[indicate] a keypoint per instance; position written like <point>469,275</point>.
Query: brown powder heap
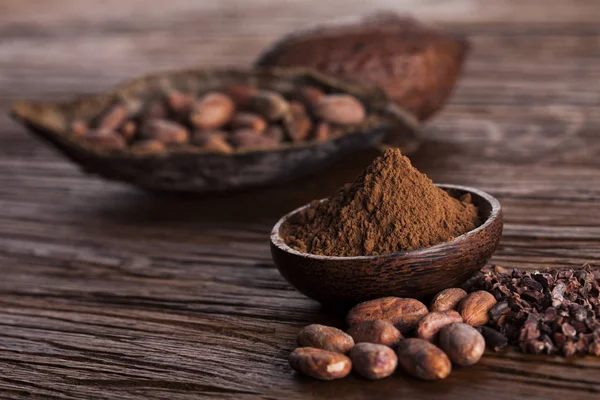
<point>389,208</point>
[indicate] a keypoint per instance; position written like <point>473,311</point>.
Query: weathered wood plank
<point>107,292</point>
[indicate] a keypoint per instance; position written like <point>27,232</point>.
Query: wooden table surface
<point>108,292</point>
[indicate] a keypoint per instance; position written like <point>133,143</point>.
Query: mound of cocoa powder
<point>391,207</point>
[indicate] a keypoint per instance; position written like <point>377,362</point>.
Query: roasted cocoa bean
<point>326,338</point>
<point>340,109</point>
<point>320,364</point>
<point>422,359</point>
<point>448,299</point>
<point>462,343</point>
<point>404,313</point>
<point>373,361</point>
<point>212,111</point>
<point>375,331</point>
<point>475,307</point>
<point>430,325</point>
<point>167,132</point>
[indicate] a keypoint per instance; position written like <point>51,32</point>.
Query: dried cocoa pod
<point>375,331</point>
<point>321,132</point>
<point>79,128</point>
<point>212,111</point>
<point>104,139</point>
<point>179,103</point>
<point>128,130</point>
<point>326,338</point>
<point>403,313</point>
<point>215,141</point>
<point>148,146</point>
<point>447,299</point>
<point>462,343</point>
<point>167,132</point>
<point>373,361</point>
<point>475,307</point>
<point>271,105</point>
<point>340,109</point>
<point>423,360</point>
<point>113,118</point>
<point>241,94</point>
<point>320,364</point>
<point>248,120</point>
<point>418,66</point>
<point>430,325</point>
<point>248,138</point>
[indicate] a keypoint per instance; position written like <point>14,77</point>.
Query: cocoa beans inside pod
<point>417,65</point>
<point>157,108</point>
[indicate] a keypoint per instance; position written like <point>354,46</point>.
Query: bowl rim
<point>496,208</point>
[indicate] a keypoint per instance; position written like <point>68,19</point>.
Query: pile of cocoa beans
<point>237,117</point>
<point>391,331</point>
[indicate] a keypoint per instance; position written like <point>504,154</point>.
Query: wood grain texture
<point>107,292</point>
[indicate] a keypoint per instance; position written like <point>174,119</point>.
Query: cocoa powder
<point>391,207</point>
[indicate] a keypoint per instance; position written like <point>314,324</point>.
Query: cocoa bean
<point>341,109</point>
<point>462,343</point>
<point>321,132</point>
<point>447,299</point>
<point>320,364</point>
<point>248,120</point>
<point>403,313</point>
<point>373,361</point>
<point>422,359</point>
<point>128,130</point>
<point>475,307</point>
<point>212,111</point>
<point>375,331</point>
<point>326,338</point>
<point>270,105</point>
<point>113,118</point>
<point>241,94</point>
<point>179,103</point>
<point>430,325</point>
<point>248,138</point>
<point>167,132</point>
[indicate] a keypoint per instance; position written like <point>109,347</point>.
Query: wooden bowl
<point>341,281</point>
<point>187,168</point>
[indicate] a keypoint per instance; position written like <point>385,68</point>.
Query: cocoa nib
<point>553,311</point>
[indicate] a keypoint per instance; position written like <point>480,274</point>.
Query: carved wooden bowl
<point>341,281</point>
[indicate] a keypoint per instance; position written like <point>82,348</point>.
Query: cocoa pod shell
<point>417,65</point>
<point>188,168</point>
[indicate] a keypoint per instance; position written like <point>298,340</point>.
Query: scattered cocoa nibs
<point>387,209</point>
<point>553,311</point>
